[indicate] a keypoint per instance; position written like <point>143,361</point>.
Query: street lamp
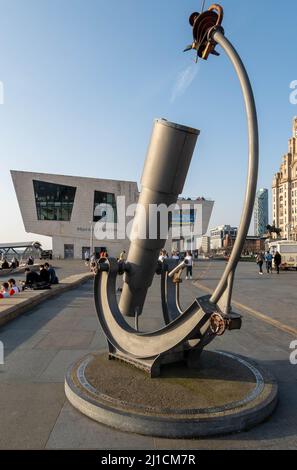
<point>91,238</point>
<point>192,237</point>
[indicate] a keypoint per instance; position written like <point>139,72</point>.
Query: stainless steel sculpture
<point>165,171</point>
<point>185,333</point>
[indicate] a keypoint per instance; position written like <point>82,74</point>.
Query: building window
<point>53,201</point>
<point>103,203</point>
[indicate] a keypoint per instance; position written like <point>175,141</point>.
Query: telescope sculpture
<point>185,333</point>
<point>192,394</point>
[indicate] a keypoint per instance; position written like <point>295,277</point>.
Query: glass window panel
<point>104,198</point>
<point>50,200</point>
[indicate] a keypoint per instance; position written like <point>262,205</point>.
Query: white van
<point>287,250</point>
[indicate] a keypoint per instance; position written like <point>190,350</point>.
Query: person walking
<point>122,257</point>
<point>162,256</point>
<point>189,261</point>
<point>93,262</point>
<point>175,256</point>
<point>277,261</point>
<point>268,259</point>
<point>87,256</point>
<point>260,261</point>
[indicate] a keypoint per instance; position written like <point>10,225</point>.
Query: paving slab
<point>25,365</point>
<point>21,338</point>
<point>68,339</point>
<point>73,431</point>
<point>99,341</point>
<point>57,368</point>
<point>29,415</point>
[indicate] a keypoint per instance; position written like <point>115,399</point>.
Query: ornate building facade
<point>284,191</point>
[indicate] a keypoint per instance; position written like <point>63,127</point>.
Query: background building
<point>205,246</point>
<point>218,235</point>
<point>67,208</point>
<point>194,221</point>
<point>284,191</point>
<point>252,245</point>
<point>261,212</point>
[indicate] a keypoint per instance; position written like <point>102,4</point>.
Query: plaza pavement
<point>40,346</point>
<point>17,305</point>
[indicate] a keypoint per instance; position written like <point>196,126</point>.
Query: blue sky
<point>84,79</point>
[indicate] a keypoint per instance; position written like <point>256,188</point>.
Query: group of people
<point>12,265</point>
<point>8,289</point>
<point>176,256</point>
<point>268,258</point>
<point>95,259</point>
<point>47,276</point>
<point>91,260</point>
<point>42,279</point>
<point>188,258</point>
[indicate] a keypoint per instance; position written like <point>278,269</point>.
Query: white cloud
<point>183,81</point>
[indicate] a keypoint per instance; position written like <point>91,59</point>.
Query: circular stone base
<point>225,394</point>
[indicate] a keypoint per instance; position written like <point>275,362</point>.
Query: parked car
<point>46,254</point>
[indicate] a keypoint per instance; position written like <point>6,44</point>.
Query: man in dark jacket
<point>52,274</point>
<point>277,261</point>
<point>32,277</point>
<point>44,275</point>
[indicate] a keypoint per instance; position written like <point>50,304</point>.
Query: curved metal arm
<point>251,112</point>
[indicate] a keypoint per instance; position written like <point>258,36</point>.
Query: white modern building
<point>67,208</point>
<point>64,208</point>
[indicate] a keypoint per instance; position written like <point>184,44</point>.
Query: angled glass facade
<point>261,212</point>
<point>53,201</point>
<point>103,203</point>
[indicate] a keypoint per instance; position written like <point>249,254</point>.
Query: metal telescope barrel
<point>167,163</point>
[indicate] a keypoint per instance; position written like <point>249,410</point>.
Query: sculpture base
<point>225,394</point>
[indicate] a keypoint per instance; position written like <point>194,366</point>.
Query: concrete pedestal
<point>224,394</point>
